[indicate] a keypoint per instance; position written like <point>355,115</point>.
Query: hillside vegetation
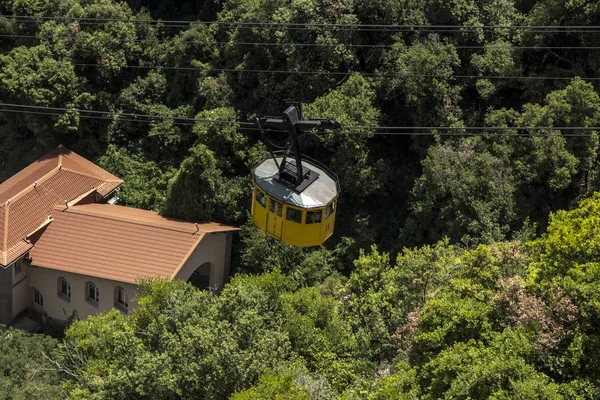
<point>465,263</point>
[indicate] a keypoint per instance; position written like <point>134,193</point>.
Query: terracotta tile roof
<point>28,198</point>
<point>117,243</point>
<point>149,218</point>
<point>74,162</point>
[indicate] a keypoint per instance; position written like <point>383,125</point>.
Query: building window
<point>92,293</point>
<point>313,217</point>
<point>121,298</point>
<point>38,298</point>
<point>261,198</point>
<point>291,214</point>
<point>64,289</point>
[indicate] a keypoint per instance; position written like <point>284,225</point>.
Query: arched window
<point>92,293</point>
<point>121,298</point>
<point>64,289</point>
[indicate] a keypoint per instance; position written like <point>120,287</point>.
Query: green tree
<point>500,370</point>
<point>145,183</point>
<point>269,89</point>
<point>422,81</point>
<point>31,75</point>
<point>161,138</point>
<point>179,343</point>
<point>224,139</point>
<point>320,336</point>
<point>469,191</point>
<point>274,387</point>
<point>198,188</point>
<point>565,259</point>
<point>350,105</point>
<point>27,371</point>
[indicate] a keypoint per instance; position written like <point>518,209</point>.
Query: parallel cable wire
<point>23,18</point>
<point>463,134</point>
<point>107,118</point>
<point>116,113</point>
<point>376,129</point>
<point>523,128</point>
<point>440,28</point>
<point>83,116</point>
<point>341,73</point>
<point>397,75</point>
<point>107,114</point>
<point>407,29</point>
<point>368,46</point>
<point>459,30</point>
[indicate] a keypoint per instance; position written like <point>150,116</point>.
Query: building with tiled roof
<point>27,198</point>
<point>68,252</point>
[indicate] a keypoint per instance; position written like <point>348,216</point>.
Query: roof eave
<point>8,264</point>
<point>188,255</point>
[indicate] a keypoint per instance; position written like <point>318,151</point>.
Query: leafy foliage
<point>426,290</point>
<point>27,371</point>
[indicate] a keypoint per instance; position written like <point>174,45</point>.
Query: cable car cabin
<point>294,197</point>
<point>298,214</point>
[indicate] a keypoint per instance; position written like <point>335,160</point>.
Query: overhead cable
<point>117,113</point>
<point>107,118</point>
<point>376,130</point>
<point>299,24</point>
<point>522,128</point>
<point>368,46</point>
<point>339,73</point>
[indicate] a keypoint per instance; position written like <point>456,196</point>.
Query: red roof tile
<point>25,178</point>
<point>28,198</point>
<point>117,243</point>
<point>149,218</point>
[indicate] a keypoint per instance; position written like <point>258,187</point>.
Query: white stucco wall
<point>46,281</point>
<point>212,249</point>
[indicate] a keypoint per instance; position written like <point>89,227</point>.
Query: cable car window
<point>330,209</point>
<point>261,198</point>
<point>293,215</point>
<point>313,217</point>
<point>275,207</point>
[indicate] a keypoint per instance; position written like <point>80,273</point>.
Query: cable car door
<point>274,219</point>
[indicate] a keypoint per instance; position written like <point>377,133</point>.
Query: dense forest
<point>466,258</point>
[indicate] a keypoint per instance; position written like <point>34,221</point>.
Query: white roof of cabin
<point>318,194</point>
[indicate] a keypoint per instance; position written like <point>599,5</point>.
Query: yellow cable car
<point>294,198</point>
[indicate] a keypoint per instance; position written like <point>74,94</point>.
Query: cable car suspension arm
<point>293,123</point>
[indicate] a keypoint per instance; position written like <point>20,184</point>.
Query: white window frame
<point>64,294</point>
<point>124,304</point>
<point>88,289</point>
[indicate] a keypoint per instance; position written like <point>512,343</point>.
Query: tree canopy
<point>465,258</point>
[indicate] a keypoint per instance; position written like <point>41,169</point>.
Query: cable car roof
<point>318,194</point>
